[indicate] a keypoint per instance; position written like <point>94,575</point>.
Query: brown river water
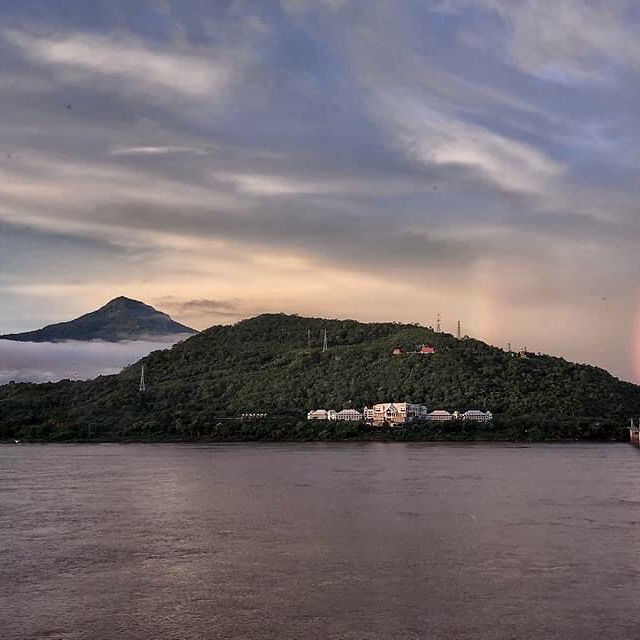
<point>314,541</point>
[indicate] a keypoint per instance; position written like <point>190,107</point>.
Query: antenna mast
<point>325,346</point>
<point>143,386</point>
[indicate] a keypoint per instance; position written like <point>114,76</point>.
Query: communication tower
<point>143,386</point>
<point>459,331</point>
<point>325,346</point>
<point>438,324</point>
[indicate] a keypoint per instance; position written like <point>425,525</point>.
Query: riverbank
<point>286,429</point>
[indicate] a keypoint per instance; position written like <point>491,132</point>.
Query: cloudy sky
<point>375,159</point>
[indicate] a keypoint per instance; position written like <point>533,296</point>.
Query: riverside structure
<point>398,413</point>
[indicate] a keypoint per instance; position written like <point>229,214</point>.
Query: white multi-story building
<point>330,414</point>
<point>348,414</point>
<point>321,414</point>
<point>394,412</point>
<point>440,416</point>
<point>477,416</point>
<point>445,416</point>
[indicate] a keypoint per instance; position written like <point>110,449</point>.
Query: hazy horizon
<point>338,158</point>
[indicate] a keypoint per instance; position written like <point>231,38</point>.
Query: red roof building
<point>426,349</point>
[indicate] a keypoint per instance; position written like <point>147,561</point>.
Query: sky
<point>372,159</point>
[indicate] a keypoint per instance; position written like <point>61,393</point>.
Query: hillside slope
<point>120,319</point>
<point>265,364</point>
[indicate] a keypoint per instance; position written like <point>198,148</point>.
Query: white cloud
<point>434,138</point>
<point>287,185</point>
<point>53,187</point>
<point>262,184</point>
<point>157,151</point>
<point>568,41</point>
<point>129,60</point>
<point>270,185</point>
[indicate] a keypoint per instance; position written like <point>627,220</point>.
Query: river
<point>314,541</point>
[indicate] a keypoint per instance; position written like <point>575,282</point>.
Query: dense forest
<point>198,388</point>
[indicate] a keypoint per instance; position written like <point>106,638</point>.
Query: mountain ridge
<point>119,319</point>
<point>200,387</point>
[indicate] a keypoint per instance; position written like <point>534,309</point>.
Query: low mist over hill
<point>73,359</point>
<point>266,364</point>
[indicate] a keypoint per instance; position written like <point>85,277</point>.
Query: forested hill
<point>266,365</point>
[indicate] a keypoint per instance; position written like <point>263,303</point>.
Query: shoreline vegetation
<point>276,364</point>
<point>292,430</point>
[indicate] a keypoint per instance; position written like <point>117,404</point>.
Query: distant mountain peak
<point>119,319</point>
<point>120,300</point>
<point>123,301</point>
<point>122,304</point>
